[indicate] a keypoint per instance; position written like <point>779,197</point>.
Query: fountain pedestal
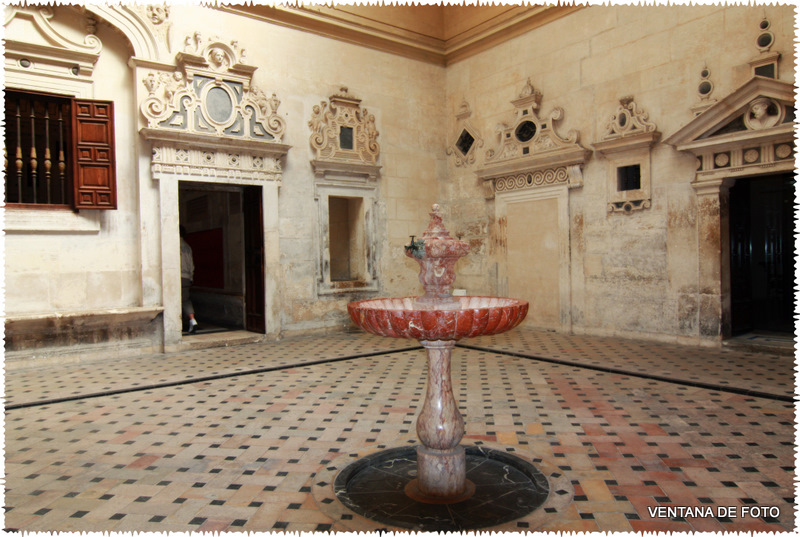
<point>438,320</point>
<point>441,461</point>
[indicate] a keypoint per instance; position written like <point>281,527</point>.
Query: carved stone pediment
<point>207,118</point>
<point>628,129</point>
<point>530,153</point>
<point>750,131</point>
<point>344,137</point>
<point>626,144</point>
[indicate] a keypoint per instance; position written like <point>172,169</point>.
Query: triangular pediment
<point>760,109</point>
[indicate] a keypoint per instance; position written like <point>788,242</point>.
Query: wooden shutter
<point>94,177</point>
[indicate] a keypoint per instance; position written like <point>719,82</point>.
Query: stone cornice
<point>337,24</point>
<point>212,142</point>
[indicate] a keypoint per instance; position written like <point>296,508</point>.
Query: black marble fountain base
<point>506,488</point>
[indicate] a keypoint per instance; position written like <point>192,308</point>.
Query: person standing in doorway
<point>187,275</point>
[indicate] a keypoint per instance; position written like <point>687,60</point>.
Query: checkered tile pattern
<point>244,438</point>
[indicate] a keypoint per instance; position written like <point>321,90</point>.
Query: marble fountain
<point>440,485</point>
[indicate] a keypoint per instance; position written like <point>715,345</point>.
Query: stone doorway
<point>762,254</point>
<point>224,229</point>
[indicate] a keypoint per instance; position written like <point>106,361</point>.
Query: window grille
<point>59,151</point>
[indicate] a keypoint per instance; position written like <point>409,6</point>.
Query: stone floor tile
<point>235,439</point>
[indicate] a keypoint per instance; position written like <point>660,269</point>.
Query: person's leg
<point>188,308</point>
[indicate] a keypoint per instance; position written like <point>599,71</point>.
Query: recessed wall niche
<point>626,146</point>
<point>344,139</point>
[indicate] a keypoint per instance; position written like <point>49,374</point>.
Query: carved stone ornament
<point>466,140</point>
<point>747,133</point>
<point>158,17</point>
<point>530,153</point>
<point>628,121</point>
<point>344,137</point>
<point>208,118</point>
<point>627,142</point>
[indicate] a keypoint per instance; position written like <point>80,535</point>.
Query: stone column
<point>441,462</point>
<point>170,263</point>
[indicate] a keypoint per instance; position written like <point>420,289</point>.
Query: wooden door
<point>762,254</point>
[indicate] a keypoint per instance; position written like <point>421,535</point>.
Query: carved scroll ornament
<point>206,118</point>
<point>530,153</point>
<point>342,130</point>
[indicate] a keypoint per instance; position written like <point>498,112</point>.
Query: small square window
<point>345,137</point>
<point>629,178</point>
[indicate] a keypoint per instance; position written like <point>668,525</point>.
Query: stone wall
<point>617,273</point>
<point>631,273</point>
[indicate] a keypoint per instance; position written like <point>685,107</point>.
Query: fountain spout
<point>437,253</point>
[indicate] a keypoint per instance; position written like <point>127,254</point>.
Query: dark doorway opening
<point>762,254</point>
<point>224,227</point>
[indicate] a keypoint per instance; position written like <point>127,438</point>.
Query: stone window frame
<point>345,172</point>
<point>628,141</point>
<point>368,194</point>
<point>464,126</point>
<point>63,67</point>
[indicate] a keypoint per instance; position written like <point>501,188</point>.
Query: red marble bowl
<point>405,317</point>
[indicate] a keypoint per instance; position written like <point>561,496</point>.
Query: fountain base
<point>414,492</point>
<point>381,487</point>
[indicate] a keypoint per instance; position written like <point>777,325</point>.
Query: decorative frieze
<point>561,175</point>
<point>530,153</point>
<point>344,137</point>
<point>213,164</point>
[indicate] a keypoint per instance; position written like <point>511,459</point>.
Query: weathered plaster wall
<point>635,273</point>
<point>49,269</point>
<point>404,95</point>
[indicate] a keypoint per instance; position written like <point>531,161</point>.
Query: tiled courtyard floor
<point>248,438</point>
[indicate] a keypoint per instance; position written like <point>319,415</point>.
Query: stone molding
<point>206,118</point>
<point>627,142</point>
<point>62,66</point>
<point>531,149</point>
<point>345,24</point>
<point>338,153</point>
<point>747,133</point>
<point>466,140</point>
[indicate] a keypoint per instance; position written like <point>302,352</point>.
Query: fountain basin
<point>462,317</point>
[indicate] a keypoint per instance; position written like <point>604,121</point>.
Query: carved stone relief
<point>704,90</point>
<point>626,144</point>
<point>750,132</point>
<point>207,118</point>
<point>530,153</point>
<point>344,137</point>
<point>157,15</point>
<point>466,140</point>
